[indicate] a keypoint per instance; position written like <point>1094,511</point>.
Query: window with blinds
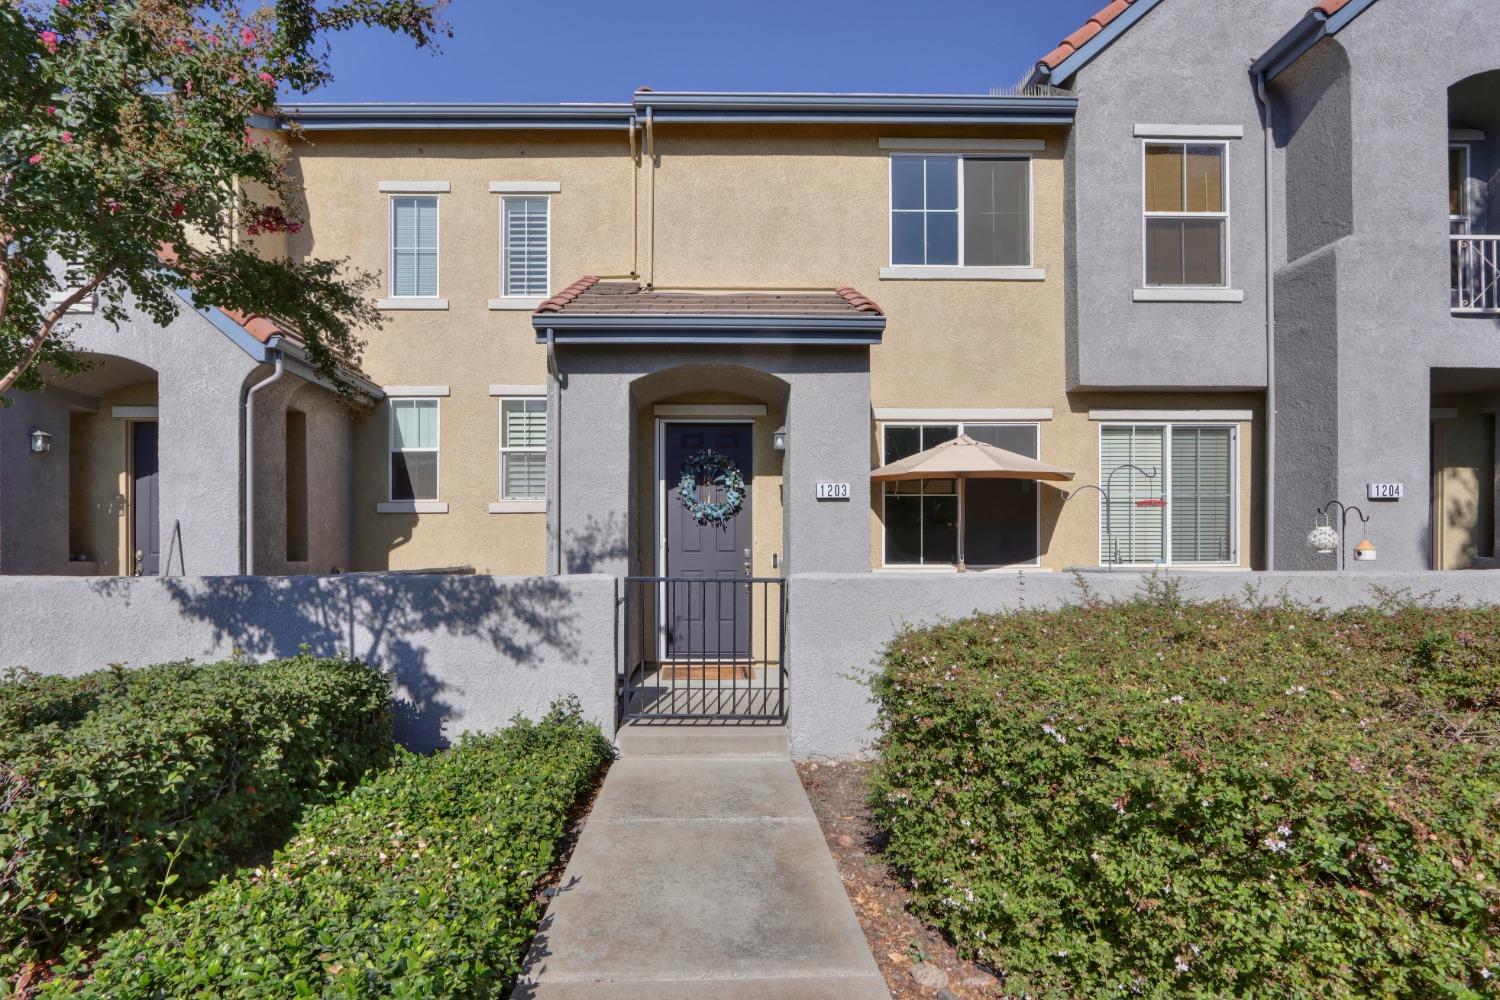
<point>1187,214</point>
<point>524,266</point>
<point>523,449</point>
<point>414,449</point>
<point>414,247</point>
<point>1188,513</point>
<point>968,211</point>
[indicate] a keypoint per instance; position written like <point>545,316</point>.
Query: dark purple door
<point>707,610</point>
<point>145,499</point>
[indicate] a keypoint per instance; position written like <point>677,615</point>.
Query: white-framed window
<point>1186,214</point>
<point>960,210</point>
<point>1458,189</point>
<point>999,519</point>
<point>526,245</point>
<point>414,246</point>
<point>74,275</point>
<point>1188,512</point>
<point>414,449</point>
<point>523,448</point>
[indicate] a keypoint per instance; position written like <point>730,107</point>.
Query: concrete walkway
<point>701,872</point>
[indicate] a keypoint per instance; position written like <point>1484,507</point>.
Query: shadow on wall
<point>394,623</point>
<point>602,546</point>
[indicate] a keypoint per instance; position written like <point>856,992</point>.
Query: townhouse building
<point>672,337</point>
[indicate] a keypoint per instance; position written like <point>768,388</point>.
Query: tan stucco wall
<point>760,207</point>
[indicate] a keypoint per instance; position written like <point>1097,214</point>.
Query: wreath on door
<point>716,470</point>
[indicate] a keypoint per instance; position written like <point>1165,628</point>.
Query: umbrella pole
<point>963,495</point>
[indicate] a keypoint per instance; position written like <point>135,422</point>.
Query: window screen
<point>997,212</point>
<point>414,247</point>
<point>1200,505</point>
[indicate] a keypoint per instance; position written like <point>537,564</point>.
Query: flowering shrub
<point>420,883</point>
<point>1162,799</point>
<point>123,786</point>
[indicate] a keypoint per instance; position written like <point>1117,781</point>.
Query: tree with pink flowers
<point>133,147</point>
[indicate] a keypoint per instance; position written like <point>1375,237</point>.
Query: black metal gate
<point>702,650</point>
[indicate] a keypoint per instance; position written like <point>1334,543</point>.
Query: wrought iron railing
<point>704,650</point>
<point>1475,274</point>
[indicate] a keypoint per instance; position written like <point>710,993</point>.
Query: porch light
<point>41,441</point>
<point>778,438</point>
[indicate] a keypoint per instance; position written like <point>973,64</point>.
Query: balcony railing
<point>1475,273</point>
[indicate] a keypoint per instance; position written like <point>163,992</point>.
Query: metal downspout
<point>635,203</point>
<point>249,560</point>
<point>1265,102</point>
<point>556,478</point>
<point>651,162</point>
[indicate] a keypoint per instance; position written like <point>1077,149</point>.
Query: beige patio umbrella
<point>963,458</point>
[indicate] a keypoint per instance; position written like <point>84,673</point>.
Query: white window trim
<point>1463,187</point>
<point>880,426</point>
<point>393,506</point>
<point>1190,131</point>
<point>1198,417</point>
<point>522,301</point>
<point>518,390</point>
<point>963,145</point>
<point>1147,291</point>
<point>403,391</point>
<point>1165,478</point>
<point>1186,293</point>
<point>939,415</point>
<point>520,504</point>
<point>525,187</point>
<point>415,187</point>
<point>394,301</point>
<point>955,272</point>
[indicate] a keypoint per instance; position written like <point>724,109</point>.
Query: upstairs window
<point>960,211</point>
<point>1458,189</point>
<point>523,449</point>
<point>414,247</point>
<point>1186,214</point>
<point>526,237</point>
<point>414,449</point>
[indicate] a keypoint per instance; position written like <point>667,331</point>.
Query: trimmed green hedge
<point>121,787</point>
<point>420,883</point>
<point>1161,799</point>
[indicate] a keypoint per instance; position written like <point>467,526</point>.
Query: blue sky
<point>601,50</point>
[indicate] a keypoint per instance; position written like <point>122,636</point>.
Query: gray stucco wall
<point>466,652</point>
<point>330,477</point>
<point>1183,63</point>
<point>838,625</point>
<point>594,436</point>
<point>199,377</point>
<point>1390,313</point>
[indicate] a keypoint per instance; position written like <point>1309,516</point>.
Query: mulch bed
<point>899,941</point>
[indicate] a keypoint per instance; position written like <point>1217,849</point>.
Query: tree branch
<point>49,321</point>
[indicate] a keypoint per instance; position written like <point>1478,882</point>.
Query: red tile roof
<point>1090,28</point>
<point>590,295</point>
<point>1101,20</point>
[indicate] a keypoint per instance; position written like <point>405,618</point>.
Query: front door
<point>706,609</point>
<point>145,500</point>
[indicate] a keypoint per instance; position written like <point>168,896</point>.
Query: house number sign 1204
<point>833,491</point>
<point>1385,491</point>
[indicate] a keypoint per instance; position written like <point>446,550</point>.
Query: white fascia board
<point>415,187</point>
<point>1190,131</point>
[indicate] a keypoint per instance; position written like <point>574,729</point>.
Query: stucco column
<point>588,513</point>
<point>828,441</point>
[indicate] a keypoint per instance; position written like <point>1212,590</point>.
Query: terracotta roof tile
<point>1087,31</point>
<point>590,295</point>
<point>1331,7</point>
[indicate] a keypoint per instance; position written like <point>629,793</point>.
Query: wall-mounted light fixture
<point>41,441</point>
<point>778,438</point>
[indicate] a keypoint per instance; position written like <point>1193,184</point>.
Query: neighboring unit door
<point>145,499</point>
<point>705,620</point>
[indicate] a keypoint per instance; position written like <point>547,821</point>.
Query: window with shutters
<point>1186,214</point>
<point>414,449</point>
<point>960,211</point>
<point>999,519</point>
<point>524,267</point>
<point>1186,513</point>
<point>414,247</point>
<point>523,449</point>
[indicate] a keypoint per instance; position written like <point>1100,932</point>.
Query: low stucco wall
<point>466,652</point>
<point>838,624</point>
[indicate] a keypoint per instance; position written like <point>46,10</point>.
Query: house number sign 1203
<point>833,491</point>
